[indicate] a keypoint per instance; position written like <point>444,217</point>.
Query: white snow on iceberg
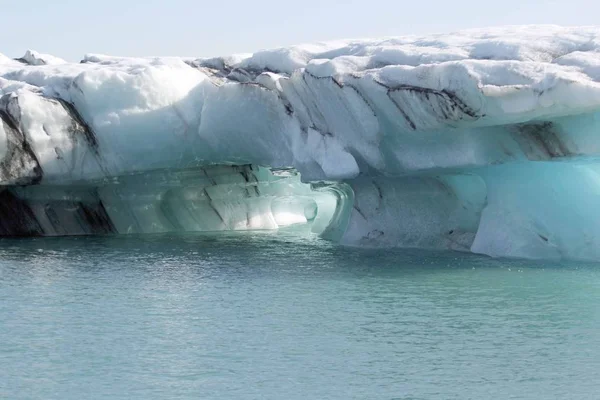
<point>482,140</point>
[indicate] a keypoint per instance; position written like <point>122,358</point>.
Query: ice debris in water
<point>481,140</point>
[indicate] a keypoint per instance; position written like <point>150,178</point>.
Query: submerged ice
<point>483,141</point>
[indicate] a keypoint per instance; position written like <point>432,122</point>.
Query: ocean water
<point>264,316</point>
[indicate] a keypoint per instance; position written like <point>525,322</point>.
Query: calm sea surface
<point>263,316</point>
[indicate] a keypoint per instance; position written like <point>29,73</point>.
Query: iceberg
<point>482,141</point>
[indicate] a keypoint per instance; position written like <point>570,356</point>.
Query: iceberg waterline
<point>483,141</point>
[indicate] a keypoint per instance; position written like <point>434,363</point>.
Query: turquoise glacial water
<point>263,316</point>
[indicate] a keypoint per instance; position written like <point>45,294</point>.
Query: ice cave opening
<point>202,199</point>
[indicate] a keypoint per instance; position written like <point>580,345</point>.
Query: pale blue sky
<point>71,28</point>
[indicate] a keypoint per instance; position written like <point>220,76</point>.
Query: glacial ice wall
<point>483,141</point>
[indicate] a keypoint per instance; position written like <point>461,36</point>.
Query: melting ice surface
<point>482,141</point>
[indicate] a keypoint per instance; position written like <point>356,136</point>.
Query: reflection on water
<point>261,315</point>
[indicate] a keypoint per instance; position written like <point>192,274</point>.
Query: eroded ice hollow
<point>483,141</point>
<point>206,199</point>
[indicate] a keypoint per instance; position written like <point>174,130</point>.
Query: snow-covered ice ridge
<point>483,140</point>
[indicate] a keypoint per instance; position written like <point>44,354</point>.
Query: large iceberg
<point>483,141</point>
